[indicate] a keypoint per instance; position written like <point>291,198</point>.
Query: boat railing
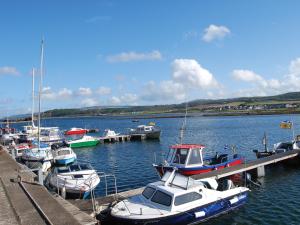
<point>93,197</point>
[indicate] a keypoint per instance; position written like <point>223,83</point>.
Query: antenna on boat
<point>264,141</point>
<point>293,130</point>
<point>40,90</point>
<point>183,124</point>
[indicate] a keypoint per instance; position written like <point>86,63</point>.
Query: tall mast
<point>40,90</point>
<point>32,109</point>
<point>183,125</point>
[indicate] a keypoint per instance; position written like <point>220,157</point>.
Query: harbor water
<point>275,202</point>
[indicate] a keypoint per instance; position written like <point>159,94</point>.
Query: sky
<point>117,53</point>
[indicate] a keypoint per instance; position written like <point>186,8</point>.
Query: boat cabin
<point>73,169</point>
<point>144,128</point>
<point>185,155</point>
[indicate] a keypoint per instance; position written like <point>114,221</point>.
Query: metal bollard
<point>41,176</point>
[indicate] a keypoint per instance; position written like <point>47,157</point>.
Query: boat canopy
<point>186,155</point>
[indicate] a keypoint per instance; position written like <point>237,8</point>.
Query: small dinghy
<point>178,200</point>
<point>189,160</point>
<point>77,180</point>
<point>63,154</point>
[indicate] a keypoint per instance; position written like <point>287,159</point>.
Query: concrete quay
<point>23,201</point>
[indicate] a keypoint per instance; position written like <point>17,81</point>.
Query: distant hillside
<point>173,108</point>
<point>291,96</point>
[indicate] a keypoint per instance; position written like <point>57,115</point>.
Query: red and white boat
<point>189,160</point>
<point>76,131</point>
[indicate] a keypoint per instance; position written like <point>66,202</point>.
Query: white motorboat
<point>51,135</point>
<point>177,199</point>
<point>63,155</point>
<point>38,153</point>
<point>151,131</point>
<point>78,180</point>
<point>110,133</point>
<point>19,149</point>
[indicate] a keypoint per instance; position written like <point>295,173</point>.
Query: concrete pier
<point>23,201</point>
<point>117,138</point>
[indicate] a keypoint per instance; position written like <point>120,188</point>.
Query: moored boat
<point>76,131</point>
<point>286,124</point>
<point>189,160</point>
<point>85,141</point>
<point>151,131</point>
<point>109,134</point>
<point>63,155</point>
<point>78,180</point>
<point>178,200</point>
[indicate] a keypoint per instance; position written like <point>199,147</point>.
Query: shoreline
<point>166,115</point>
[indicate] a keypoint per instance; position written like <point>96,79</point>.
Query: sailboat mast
<point>40,90</point>
<point>32,109</point>
<point>183,125</point>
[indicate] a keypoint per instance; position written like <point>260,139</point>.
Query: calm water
<point>276,202</point>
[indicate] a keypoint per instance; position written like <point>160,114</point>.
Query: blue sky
<point>147,52</point>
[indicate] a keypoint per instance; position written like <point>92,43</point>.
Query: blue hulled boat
<point>179,200</point>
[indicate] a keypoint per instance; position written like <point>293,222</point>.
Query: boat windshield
<point>74,168</point>
<point>148,192</point>
<point>161,198</point>
<point>195,157</point>
<point>63,152</point>
<point>63,169</point>
<point>180,156</point>
<point>86,167</point>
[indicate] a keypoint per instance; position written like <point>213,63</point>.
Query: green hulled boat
<point>85,141</point>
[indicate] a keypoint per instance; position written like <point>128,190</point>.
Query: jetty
<point>25,201</point>
<point>254,167</point>
<point>112,139</point>
<point>122,138</point>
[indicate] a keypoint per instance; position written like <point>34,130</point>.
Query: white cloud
<point>250,76</point>
<point>48,94</point>
<point>129,98</point>
<point>62,94</point>
<point>294,67</point>
<point>214,32</point>
<point>8,70</point>
<point>65,93</point>
<point>115,100</point>
<point>190,73</point>
<point>84,91</point>
<point>126,99</point>
<point>134,56</point>
<point>88,102</point>
<point>103,91</point>
<point>165,91</point>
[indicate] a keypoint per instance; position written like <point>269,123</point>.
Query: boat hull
<point>192,216</point>
<point>75,132</point>
<point>64,161</point>
<point>84,144</point>
<point>189,171</point>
